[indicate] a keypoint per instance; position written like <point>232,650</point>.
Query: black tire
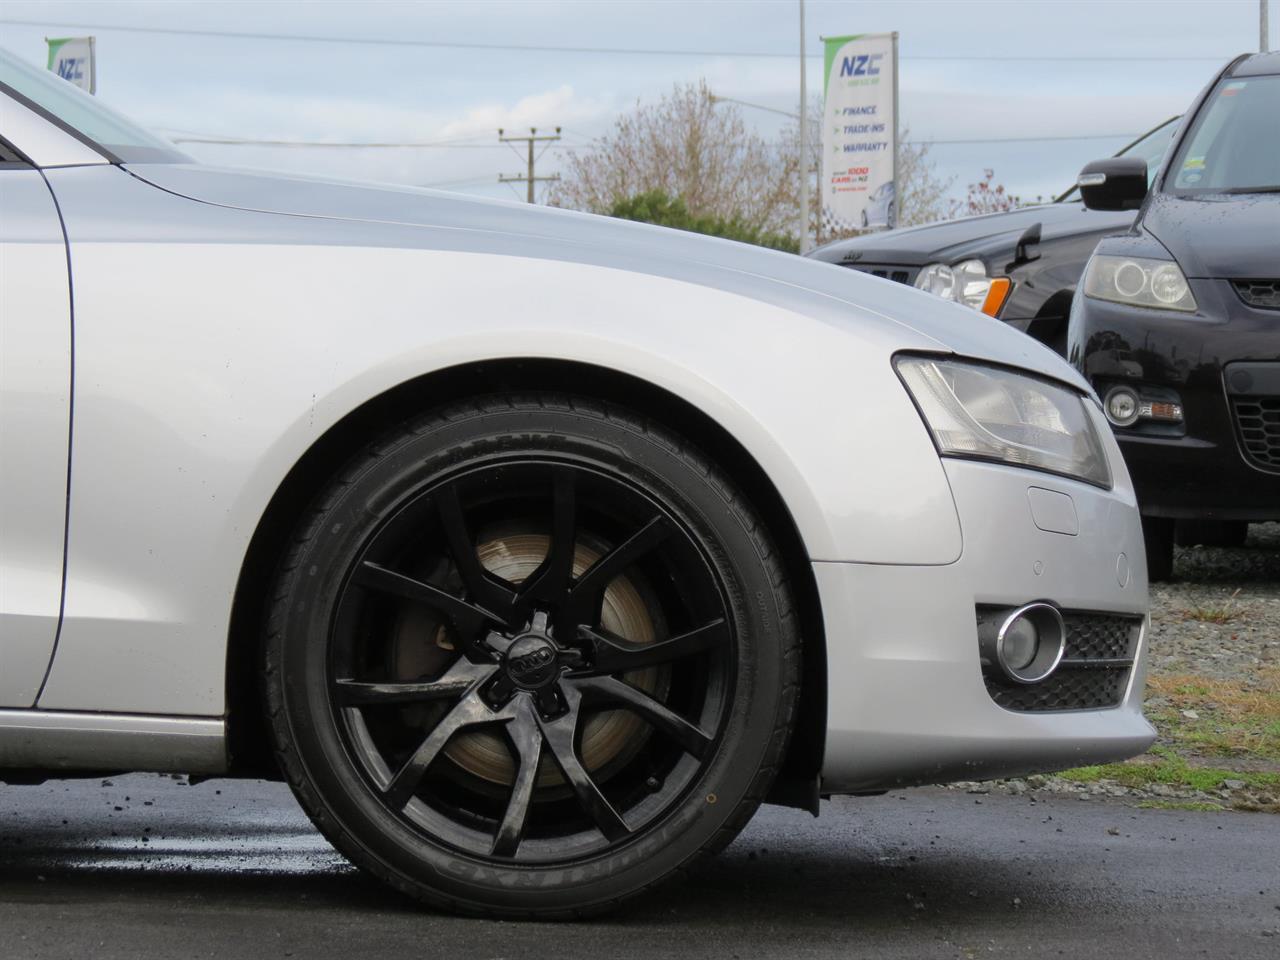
<point>550,848</point>
<point>1157,533</point>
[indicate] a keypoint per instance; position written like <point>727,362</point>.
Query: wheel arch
<point>248,740</point>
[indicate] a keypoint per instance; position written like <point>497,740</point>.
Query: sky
<point>989,70</point>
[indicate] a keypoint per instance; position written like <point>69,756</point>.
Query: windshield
<point>1234,144</point>
<point>72,108</point>
<point>1150,148</point>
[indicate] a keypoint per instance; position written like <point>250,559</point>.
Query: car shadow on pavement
<point>286,866</point>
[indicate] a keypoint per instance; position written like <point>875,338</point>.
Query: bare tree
<point>987,196</point>
<point>688,146</point>
<point>924,193</point>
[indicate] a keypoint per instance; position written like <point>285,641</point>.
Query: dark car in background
<point>1178,327</point>
<point>1021,266</point>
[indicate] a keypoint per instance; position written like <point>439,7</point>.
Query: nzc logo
<point>72,68</point>
<point>861,65</point>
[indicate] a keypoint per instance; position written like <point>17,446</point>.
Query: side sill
<point>59,740</point>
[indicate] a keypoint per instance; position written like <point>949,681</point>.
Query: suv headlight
<point>1138,282</point>
<point>990,413</point>
<point>965,283</point>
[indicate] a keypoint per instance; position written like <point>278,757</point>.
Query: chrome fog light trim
<point>1027,644</point>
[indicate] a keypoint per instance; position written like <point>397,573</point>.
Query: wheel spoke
<point>587,594</point>
<point>550,581</point>
<point>481,585</point>
<point>527,740</point>
<point>471,711</point>
<point>691,738</point>
<point>468,619</point>
<point>614,654</point>
<point>453,684</point>
<point>559,735</point>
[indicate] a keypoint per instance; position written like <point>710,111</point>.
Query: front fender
<point>205,369</point>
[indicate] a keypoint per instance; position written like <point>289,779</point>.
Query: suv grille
<point>1258,421</point>
<point>1094,672</point>
<point>887,271</point>
<point>1259,293</point>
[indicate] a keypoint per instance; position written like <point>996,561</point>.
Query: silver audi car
<point>533,549</point>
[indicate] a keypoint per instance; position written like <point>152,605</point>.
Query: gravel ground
<point>1246,582</point>
<point>1241,588</point>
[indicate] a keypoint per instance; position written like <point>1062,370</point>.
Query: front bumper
<point>907,702</point>
<point>1197,469</point>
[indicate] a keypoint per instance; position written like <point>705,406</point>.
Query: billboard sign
<point>71,58</point>
<point>860,133</point>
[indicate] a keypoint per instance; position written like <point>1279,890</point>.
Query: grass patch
<point>1233,718</point>
<point>1223,614</point>
<point>1172,771</point>
<point>1198,805</point>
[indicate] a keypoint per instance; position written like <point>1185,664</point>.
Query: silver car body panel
<point>56,740</point>
<point>35,413</point>
<point>226,320</point>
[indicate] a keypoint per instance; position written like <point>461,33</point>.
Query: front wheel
<point>530,658</point>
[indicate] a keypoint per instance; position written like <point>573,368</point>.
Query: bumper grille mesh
<point>1094,672</point>
<point>1258,421</point>
<point>887,271</point>
<point>1259,293</point>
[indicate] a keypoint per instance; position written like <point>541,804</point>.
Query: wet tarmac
<point>147,866</point>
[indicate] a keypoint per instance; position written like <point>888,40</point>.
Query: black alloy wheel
<point>511,669</point>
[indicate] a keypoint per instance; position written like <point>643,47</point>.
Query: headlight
<point>1139,282</point>
<point>990,413</point>
<point>965,283</point>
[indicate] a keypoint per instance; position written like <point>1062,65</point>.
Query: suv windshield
<point>83,115</point>
<point>1234,144</point>
<point>1151,147</point>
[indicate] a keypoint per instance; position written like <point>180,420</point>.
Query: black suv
<point>1178,327</point>
<point>1021,266</point>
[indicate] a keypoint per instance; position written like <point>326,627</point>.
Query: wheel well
<point>1050,321</point>
<point>249,743</point>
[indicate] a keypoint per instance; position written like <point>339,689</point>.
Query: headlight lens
<point>989,413</point>
<point>965,283</point>
<point>1139,282</point>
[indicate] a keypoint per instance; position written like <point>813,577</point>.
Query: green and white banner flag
<point>71,58</point>
<point>860,133</point>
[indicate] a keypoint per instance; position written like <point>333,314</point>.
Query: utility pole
<point>529,177</point>
<point>804,146</point>
<point>1262,26</point>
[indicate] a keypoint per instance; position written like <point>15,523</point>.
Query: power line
<point>1083,136</point>
<point>616,51</point>
<point>249,142</point>
<point>245,142</point>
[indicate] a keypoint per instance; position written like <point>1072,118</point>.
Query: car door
<point>35,417</point>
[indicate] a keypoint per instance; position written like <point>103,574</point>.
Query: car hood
<point>950,240</point>
<point>1220,236</point>
<point>792,282</point>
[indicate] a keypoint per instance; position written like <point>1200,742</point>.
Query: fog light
<point>1122,406</point>
<point>1026,644</point>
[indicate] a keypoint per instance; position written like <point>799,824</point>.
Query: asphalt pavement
<point>148,866</point>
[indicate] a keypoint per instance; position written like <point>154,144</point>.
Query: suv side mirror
<point>1117,183</point>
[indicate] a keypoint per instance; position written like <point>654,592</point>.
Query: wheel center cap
<point>530,661</point>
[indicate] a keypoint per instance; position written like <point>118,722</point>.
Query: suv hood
<point>951,240</point>
<point>795,283</point>
<point>1219,237</point>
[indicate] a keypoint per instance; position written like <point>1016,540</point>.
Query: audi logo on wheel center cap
<point>531,661</point>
